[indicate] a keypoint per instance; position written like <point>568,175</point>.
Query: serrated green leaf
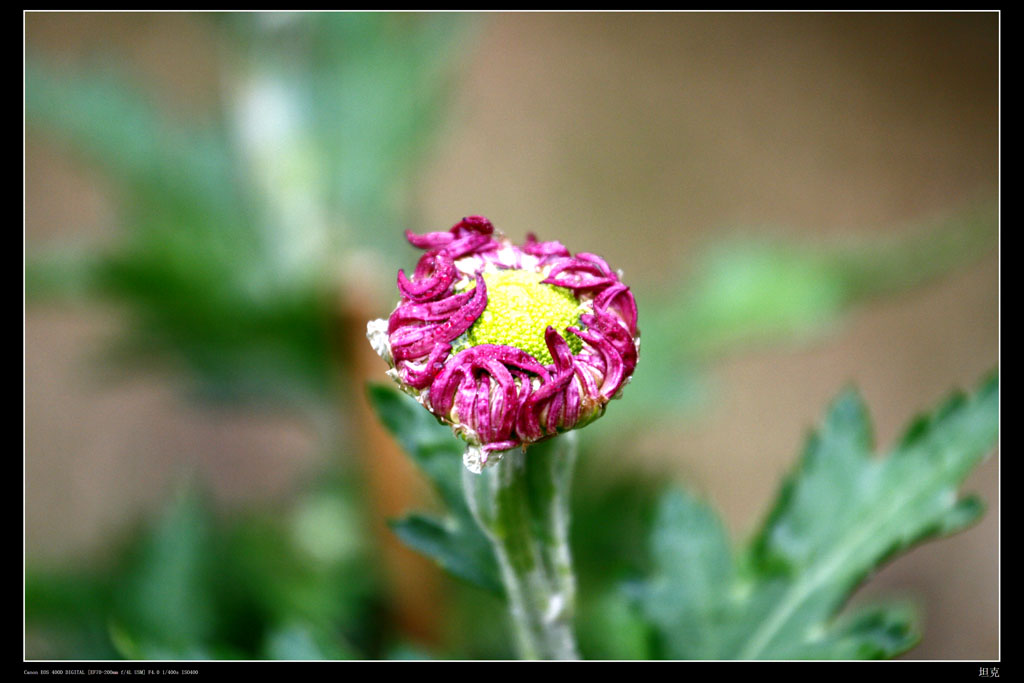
<point>452,545</point>
<point>430,444</point>
<point>840,515</point>
<point>876,632</point>
<point>686,595</point>
<point>456,543</point>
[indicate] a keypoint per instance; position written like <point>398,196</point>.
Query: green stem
<point>521,504</point>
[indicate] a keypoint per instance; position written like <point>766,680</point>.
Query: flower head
<point>508,344</point>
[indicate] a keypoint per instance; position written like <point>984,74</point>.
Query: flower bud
<point>508,344</point>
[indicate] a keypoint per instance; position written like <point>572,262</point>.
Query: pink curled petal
<point>554,413</point>
<point>482,423</point>
<point>546,250</point>
<point>479,224</point>
<point>577,280</point>
<point>445,384</point>
<point>470,244</point>
<point>416,342</point>
<point>465,399</point>
<point>466,362</point>
<point>472,309</point>
<point>558,348</point>
<point>618,300</point>
<point>527,425</point>
<point>596,260</point>
<point>426,265</point>
<point>614,333</point>
<point>575,274</point>
<point>575,264</point>
<point>501,445</point>
<point>403,339</point>
<point>433,311</point>
<point>524,387</point>
<point>510,355</point>
<point>449,329</point>
<point>585,377</point>
<point>595,360</point>
<point>572,405</point>
<point>505,405</point>
<point>614,367</point>
<point>441,271</point>
<point>548,395</point>
<point>420,378</point>
<point>430,240</point>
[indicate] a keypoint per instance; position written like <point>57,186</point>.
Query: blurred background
<point>213,209</point>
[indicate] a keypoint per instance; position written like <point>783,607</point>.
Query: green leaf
<point>460,550</point>
<point>684,597</point>
<point>754,291</point>
<point>455,543</point>
<point>430,444</point>
<point>165,594</point>
<point>203,277</point>
<point>839,516</point>
<point>186,172</point>
<point>301,641</point>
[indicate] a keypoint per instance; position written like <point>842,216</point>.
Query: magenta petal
<point>586,380</point>
<point>478,224</point>
<point>596,260</point>
<point>558,348</point>
<point>433,311</point>
<point>501,445</point>
<point>614,367</point>
<point>447,331</point>
<point>547,396</point>
<point>482,411</point>
<point>572,405</point>
<point>544,249</point>
<point>614,333</point>
<point>418,379</point>
<point>470,244</point>
<point>554,413</point>
<point>467,361</point>
<point>441,271</point>
<point>465,399</point>
<point>407,336</point>
<point>509,355</point>
<point>504,406</point>
<point>431,240</point>
<point>619,300</point>
<point>575,274</point>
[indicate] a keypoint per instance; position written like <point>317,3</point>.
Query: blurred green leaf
<point>455,542</point>
<point>164,596</point>
<point>753,291</point>
<point>301,642</point>
<point>446,542</point>
<point>192,586</point>
<point>230,257</point>
<point>201,279</point>
<point>365,96</point>
<point>839,516</point>
<point>378,100</point>
<point>756,290</point>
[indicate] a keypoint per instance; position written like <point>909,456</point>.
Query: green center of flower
<point>519,310</point>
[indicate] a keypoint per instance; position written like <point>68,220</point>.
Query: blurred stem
<point>521,504</point>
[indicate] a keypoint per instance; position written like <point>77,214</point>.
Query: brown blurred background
<point>640,137</point>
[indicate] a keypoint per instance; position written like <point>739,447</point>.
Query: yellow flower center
<point>519,310</point>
